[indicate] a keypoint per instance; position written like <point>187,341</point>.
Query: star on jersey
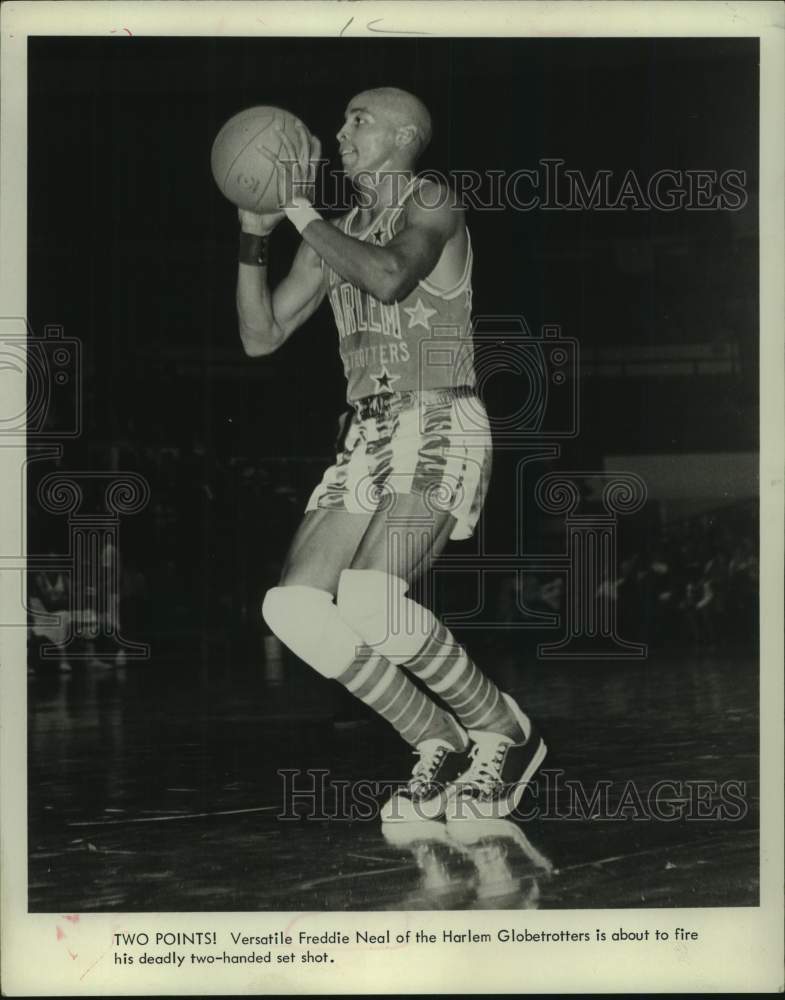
<point>384,380</point>
<point>377,235</point>
<point>419,314</point>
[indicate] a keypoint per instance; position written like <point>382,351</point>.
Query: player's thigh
<point>323,546</point>
<point>405,539</point>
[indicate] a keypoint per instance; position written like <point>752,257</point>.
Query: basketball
<point>241,171</point>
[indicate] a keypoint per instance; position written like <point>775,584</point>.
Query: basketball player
<point>413,468</point>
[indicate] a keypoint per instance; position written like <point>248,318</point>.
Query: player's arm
<point>390,272</point>
<point>266,319</point>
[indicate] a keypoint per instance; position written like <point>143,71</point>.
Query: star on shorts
<point>384,380</point>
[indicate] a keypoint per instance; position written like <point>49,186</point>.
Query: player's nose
<point>341,133</point>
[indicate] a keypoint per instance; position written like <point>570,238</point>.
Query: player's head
<point>384,129</point>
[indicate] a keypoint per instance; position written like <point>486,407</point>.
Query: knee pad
<point>306,620</point>
<point>375,605</point>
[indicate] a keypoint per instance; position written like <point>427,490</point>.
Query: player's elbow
<point>385,294</point>
<point>255,343</point>
<point>256,350</point>
<point>393,284</point>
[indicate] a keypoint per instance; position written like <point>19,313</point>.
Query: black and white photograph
<point>390,483</point>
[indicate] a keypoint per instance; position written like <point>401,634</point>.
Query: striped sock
<point>387,690</point>
<point>445,667</point>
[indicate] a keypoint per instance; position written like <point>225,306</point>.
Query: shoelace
<point>485,771</point>
<point>425,768</point>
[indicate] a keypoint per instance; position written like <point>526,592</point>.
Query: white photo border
<point>740,948</point>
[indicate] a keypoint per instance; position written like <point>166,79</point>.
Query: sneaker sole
<point>426,812</point>
<point>423,832</point>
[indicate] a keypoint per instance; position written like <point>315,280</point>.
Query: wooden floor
<point>159,788</point>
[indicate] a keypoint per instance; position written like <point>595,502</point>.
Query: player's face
<point>366,140</point>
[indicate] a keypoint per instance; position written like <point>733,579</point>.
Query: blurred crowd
<point>696,583</point>
<point>214,536</point>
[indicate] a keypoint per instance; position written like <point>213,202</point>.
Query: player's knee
<point>375,605</point>
<point>287,610</point>
<point>368,595</point>
<point>276,610</point>
<point>306,620</point>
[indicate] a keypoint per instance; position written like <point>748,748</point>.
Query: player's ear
<point>406,135</point>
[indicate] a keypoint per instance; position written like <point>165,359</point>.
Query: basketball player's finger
<point>289,167</point>
<point>291,154</point>
<point>303,147</point>
<point>281,173</point>
<point>315,155</point>
<point>285,170</point>
<point>268,154</point>
<point>302,135</point>
<point>315,152</point>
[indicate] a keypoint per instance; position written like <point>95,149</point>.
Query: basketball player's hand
<point>296,164</point>
<point>259,224</point>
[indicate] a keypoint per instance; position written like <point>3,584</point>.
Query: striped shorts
<point>435,443</point>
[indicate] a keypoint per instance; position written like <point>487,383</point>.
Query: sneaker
<point>425,795</point>
<point>498,774</point>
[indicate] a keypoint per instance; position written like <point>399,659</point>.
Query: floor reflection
<point>472,864</point>
<point>509,868</point>
<point>157,788</point>
<point>445,881</point>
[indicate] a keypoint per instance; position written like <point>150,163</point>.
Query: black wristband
<point>253,249</point>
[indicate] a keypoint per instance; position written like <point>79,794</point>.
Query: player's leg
<point>506,748</point>
<point>441,743</point>
<point>302,613</point>
<point>398,546</point>
<point>439,498</point>
<point>323,545</point>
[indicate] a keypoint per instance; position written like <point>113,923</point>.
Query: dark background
<point>132,250</point>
